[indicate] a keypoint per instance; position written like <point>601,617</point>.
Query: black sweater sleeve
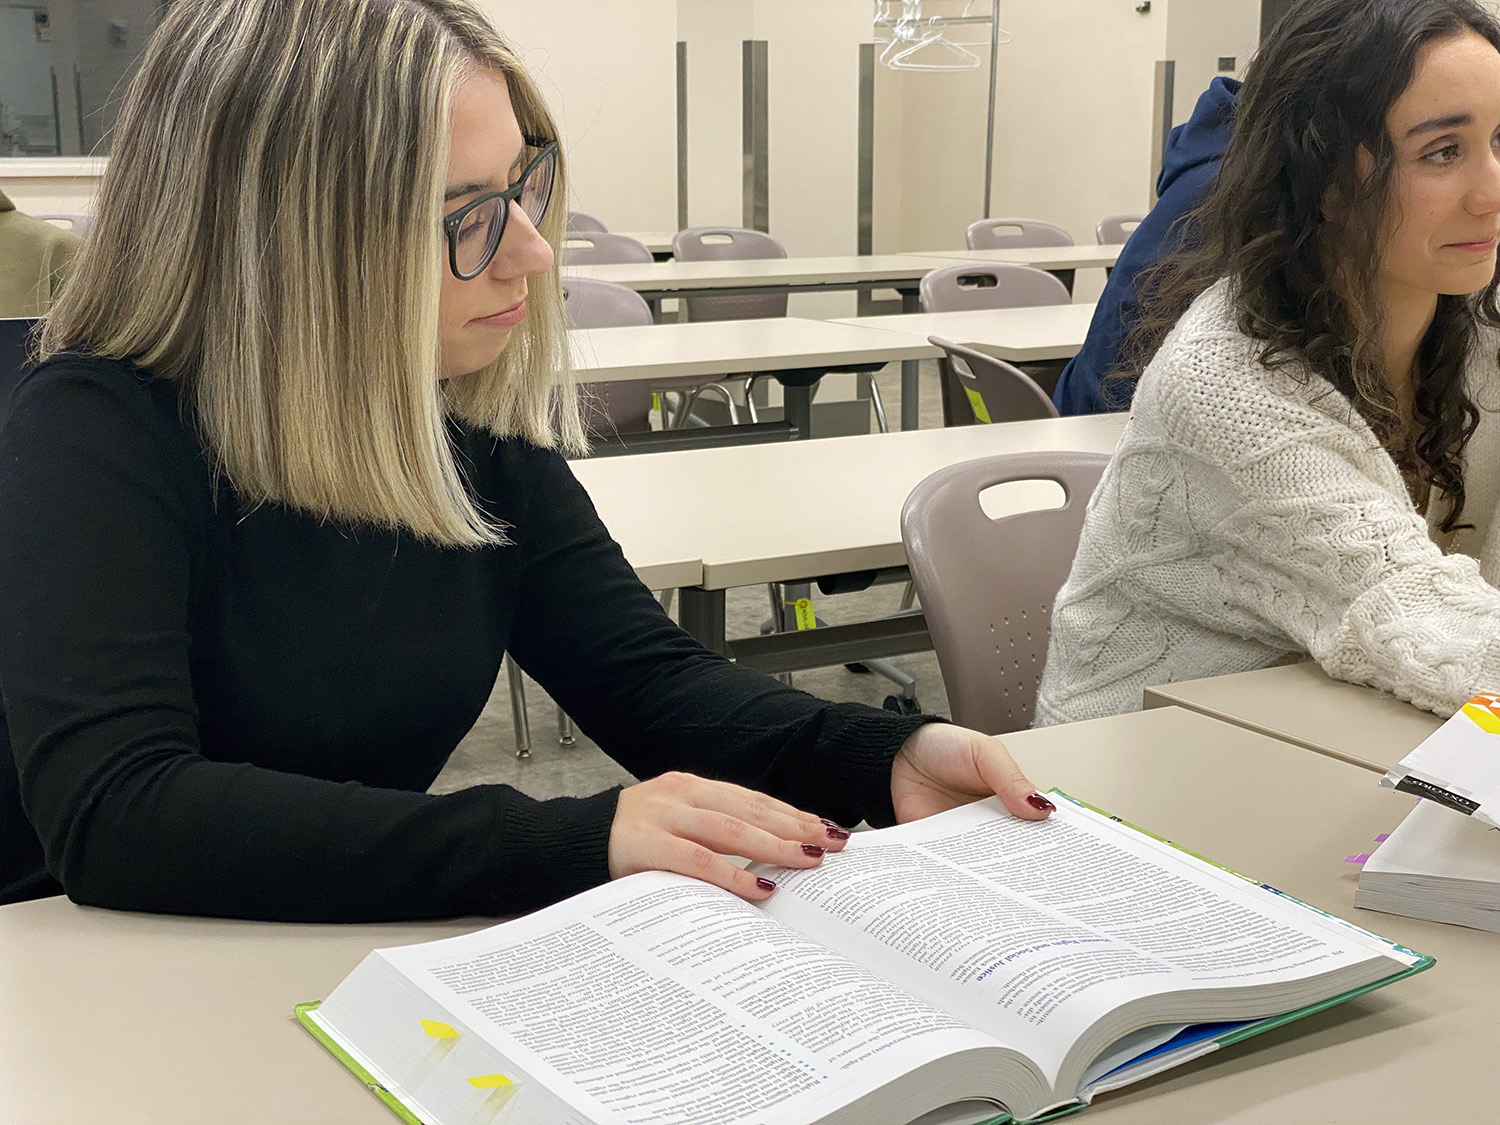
<point>654,699</point>
<point>98,534</point>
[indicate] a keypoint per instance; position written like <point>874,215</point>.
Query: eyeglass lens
<point>478,236</point>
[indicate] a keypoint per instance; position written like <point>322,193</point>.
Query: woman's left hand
<point>941,766</point>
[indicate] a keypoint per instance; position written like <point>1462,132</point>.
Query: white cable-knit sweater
<point>1248,518</point>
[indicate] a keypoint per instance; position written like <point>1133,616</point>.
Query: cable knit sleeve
<point>1251,514</point>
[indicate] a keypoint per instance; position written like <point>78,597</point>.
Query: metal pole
<point>989,131</point>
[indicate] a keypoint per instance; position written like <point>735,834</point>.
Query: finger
<point>1004,777</point>
<point>729,835</point>
<point>765,812</point>
<point>699,862</point>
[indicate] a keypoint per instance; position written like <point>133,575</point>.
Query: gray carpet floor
<point>488,754</point>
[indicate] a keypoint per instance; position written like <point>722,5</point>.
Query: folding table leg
<point>702,616</point>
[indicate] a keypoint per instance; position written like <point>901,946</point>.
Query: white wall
<point>1199,32</point>
<point>607,70</point>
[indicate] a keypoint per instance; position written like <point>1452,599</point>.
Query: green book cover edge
<point>1269,1023</point>
<point>303,1012</point>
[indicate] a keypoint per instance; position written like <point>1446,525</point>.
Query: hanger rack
<point>914,32</point>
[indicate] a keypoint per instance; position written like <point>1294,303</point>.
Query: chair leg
<point>565,729</point>
<point>518,717</point>
<point>719,388</point>
<point>908,597</point>
<point>684,410</point>
<point>750,398</point>
<point>869,377</point>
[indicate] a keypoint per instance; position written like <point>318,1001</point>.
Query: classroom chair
<point>81,225</point>
<point>1009,234</point>
<point>718,244</point>
<point>996,391</point>
<point>578,222</point>
<point>988,585</point>
<point>1114,230</point>
<point>987,285</point>
<point>600,248</point>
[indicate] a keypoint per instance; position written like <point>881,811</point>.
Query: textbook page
<point>660,999</point>
<point>1458,765</point>
<point>1033,930</point>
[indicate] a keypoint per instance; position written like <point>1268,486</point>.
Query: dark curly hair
<point>1316,93</point>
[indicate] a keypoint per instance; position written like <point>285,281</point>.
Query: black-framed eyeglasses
<point>475,229</point>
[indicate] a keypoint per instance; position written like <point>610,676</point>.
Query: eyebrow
<point>472,186</point>
<point>1433,124</point>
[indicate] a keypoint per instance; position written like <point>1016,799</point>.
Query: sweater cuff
<point>855,757</point>
<point>554,849</point>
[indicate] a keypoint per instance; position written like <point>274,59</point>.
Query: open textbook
<point>1005,969</point>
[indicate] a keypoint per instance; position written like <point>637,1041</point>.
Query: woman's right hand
<point>687,824</point>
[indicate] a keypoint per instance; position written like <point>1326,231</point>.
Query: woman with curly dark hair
<point>1312,464</point>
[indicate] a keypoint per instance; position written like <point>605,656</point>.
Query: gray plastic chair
<point>81,225</point>
<point>1114,230</point>
<point>723,244</point>
<point>1007,234</point>
<point>580,222</point>
<point>1010,234</point>
<point>1005,392</point>
<point>600,248</point>
<point>623,407</point>
<point>988,585</point>
<point>987,285</point>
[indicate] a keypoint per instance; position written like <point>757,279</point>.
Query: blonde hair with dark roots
<point>270,236</point>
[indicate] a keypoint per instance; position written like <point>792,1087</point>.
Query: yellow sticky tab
<point>489,1081</point>
<point>806,619</point>
<point>978,404</point>
<point>655,401</point>
<point>439,1030</point>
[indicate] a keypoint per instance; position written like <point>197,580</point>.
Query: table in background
<point>716,348</point>
<point>1053,259</point>
<point>119,1017</point>
<point>1015,335</point>
<point>737,277</point>
<point>816,508</point>
<point>1301,704</point>
<point>659,242</point>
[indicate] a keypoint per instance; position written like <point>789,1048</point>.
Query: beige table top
<point>1042,257</point>
<point>841,269</point>
<point>1299,703</point>
<point>130,1018</point>
<point>817,507</point>
<point>725,347</point>
<point>1015,335</point>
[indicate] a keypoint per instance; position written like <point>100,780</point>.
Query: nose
<point>1484,193</point>
<point>522,252</point>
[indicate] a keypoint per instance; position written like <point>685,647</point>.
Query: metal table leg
<point>911,371</point>
<point>702,616</point>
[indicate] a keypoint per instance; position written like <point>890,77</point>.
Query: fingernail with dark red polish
<point>835,832</point>
<point>1040,803</point>
<point>765,884</point>
<point>811,849</point>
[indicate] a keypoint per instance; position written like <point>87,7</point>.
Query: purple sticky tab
<point>1357,858</point>
<point>1382,838</point>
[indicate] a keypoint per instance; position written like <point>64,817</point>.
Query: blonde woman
<point>288,484</point>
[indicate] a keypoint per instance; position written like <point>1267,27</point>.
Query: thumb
<point>1004,777</point>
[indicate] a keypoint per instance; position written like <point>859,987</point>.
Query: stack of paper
<point>1437,865</point>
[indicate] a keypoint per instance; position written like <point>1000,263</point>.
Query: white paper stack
<point>1438,864</point>
<point>1458,765</point>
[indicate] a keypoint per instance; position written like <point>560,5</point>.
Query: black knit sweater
<point>218,709</point>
